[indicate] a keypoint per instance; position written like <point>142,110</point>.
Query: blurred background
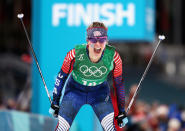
<point>160,103</point>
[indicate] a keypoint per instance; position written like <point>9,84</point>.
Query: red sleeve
<point>118,65</point>
<point>69,60</point>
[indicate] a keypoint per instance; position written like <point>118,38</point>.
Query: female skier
<point>89,65</point>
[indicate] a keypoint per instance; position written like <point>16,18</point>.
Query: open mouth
<point>97,50</point>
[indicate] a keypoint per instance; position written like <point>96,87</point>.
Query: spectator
<point>174,125</point>
<point>1,103</point>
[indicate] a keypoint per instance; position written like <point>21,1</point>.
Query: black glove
<point>122,119</point>
<point>54,109</point>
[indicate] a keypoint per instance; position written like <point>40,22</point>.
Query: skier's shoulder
<point>109,47</point>
<point>80,46</point>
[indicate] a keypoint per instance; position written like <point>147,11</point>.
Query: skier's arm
<point>121,118</point>
<point>66,69</point>
<point>118,82</point>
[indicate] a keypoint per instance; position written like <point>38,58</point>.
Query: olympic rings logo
<point>93,70</point>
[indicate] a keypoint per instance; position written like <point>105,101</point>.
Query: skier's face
<point>97,45</point>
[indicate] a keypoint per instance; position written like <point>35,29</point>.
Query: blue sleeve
<point>59,84</point>
<point>120,92</point>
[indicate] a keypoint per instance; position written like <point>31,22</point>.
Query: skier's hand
<point>122,119</point>
<point>54,109</point>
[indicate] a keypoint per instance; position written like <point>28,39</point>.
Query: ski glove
<point>54,109</point>
<point>122,119</point>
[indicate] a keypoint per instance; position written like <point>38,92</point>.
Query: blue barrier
<point>20,121</point>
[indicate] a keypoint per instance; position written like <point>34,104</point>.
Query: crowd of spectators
<point>21,103</point>
<point>155,116</point>
<point>15,82</point>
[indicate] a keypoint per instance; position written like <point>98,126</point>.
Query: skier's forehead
<point>96,32</point>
